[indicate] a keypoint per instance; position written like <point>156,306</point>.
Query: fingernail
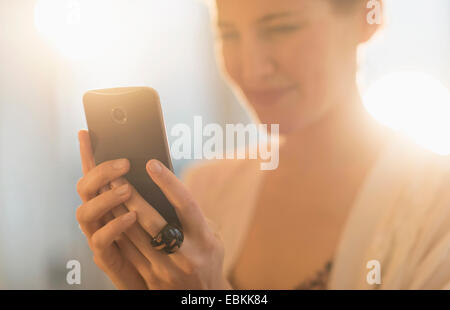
<point>122,190</point>
<point>129,217</point>
<point>120,164</point>
<point>154,166</point>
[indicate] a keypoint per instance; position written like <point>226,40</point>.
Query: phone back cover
<point>141,138</point>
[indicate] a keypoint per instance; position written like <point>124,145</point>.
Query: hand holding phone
<point>131,261</point>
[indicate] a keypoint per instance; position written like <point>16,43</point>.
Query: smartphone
<point>128,123</point>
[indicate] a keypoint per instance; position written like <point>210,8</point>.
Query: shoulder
<point>419,221</point>
<point>402,220</point>
<point>424,173</point>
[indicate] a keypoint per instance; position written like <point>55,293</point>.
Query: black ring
<point>167,236</point>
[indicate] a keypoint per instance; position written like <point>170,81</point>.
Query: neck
<point>345,133</point>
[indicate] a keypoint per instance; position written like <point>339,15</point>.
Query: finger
<point>141,239</point>
<point>147,216</point>
<point>87,156</point>
<point>190,215</point>
<point>132,254</point>
<point>108,217</point>
<point>100,176</point>
<point>96,208</point>
<point>112,261</point>
<point>105,236</point>
<point>88,163</point>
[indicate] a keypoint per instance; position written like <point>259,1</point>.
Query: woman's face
<point>291,59</point>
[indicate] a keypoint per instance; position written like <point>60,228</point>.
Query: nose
<point>257,65</point>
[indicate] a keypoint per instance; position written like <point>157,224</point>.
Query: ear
<point>372,19</point>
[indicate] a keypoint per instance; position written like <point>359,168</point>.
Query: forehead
<point>254,10</point>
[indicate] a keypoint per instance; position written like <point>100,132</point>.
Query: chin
<point>291,117</point>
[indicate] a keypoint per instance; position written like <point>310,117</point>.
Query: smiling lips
<point>268,96</point>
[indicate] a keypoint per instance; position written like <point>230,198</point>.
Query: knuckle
<point>110,264</point>
<point>169,277</point>
<point>186,264</point>
<point>213,226</point>
<point>102,172</point>
<point>218,237</point>
<point>97,242</point>
<point>79,213</point>
<point>173,278</point>
<point>213,244</point>
<point>210,242</point>
<point>120,239</point>
<point>205,234</point>
<point>191,267</point>
<point>80,186</point>
<point>115,263</point>
<point>98,262</point>
<point>190,264</point>
<point>147,273</point>
<point>161,274</point>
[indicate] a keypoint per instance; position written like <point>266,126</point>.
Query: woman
<point>347,195</point>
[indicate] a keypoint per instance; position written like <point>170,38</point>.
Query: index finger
<point>87,156</point>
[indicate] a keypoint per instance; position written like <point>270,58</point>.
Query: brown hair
<point>341,6</point>
<point>344,6</point>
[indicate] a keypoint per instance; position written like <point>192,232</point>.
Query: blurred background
<point>52,51</point>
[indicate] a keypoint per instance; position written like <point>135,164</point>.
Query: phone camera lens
<point>119,115</point>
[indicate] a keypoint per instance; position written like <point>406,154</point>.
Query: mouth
<point>268,96</point>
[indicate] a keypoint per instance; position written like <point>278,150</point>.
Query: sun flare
<point>415,104</point>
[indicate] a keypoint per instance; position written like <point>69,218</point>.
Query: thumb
<point>187,209</point>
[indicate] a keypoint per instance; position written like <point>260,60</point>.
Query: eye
<point>228,35</point>
<point>281,29</point>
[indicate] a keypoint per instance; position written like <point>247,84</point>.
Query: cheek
<point>230,63</point>
<point>307,59</point>
<point>302,57</point>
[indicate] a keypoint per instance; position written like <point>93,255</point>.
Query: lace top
<point>318,282</point>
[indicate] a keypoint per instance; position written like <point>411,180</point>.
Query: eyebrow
<point>274,16</point>
<point>265,19</point>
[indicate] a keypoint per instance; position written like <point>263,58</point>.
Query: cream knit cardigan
<point>401,217</point>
